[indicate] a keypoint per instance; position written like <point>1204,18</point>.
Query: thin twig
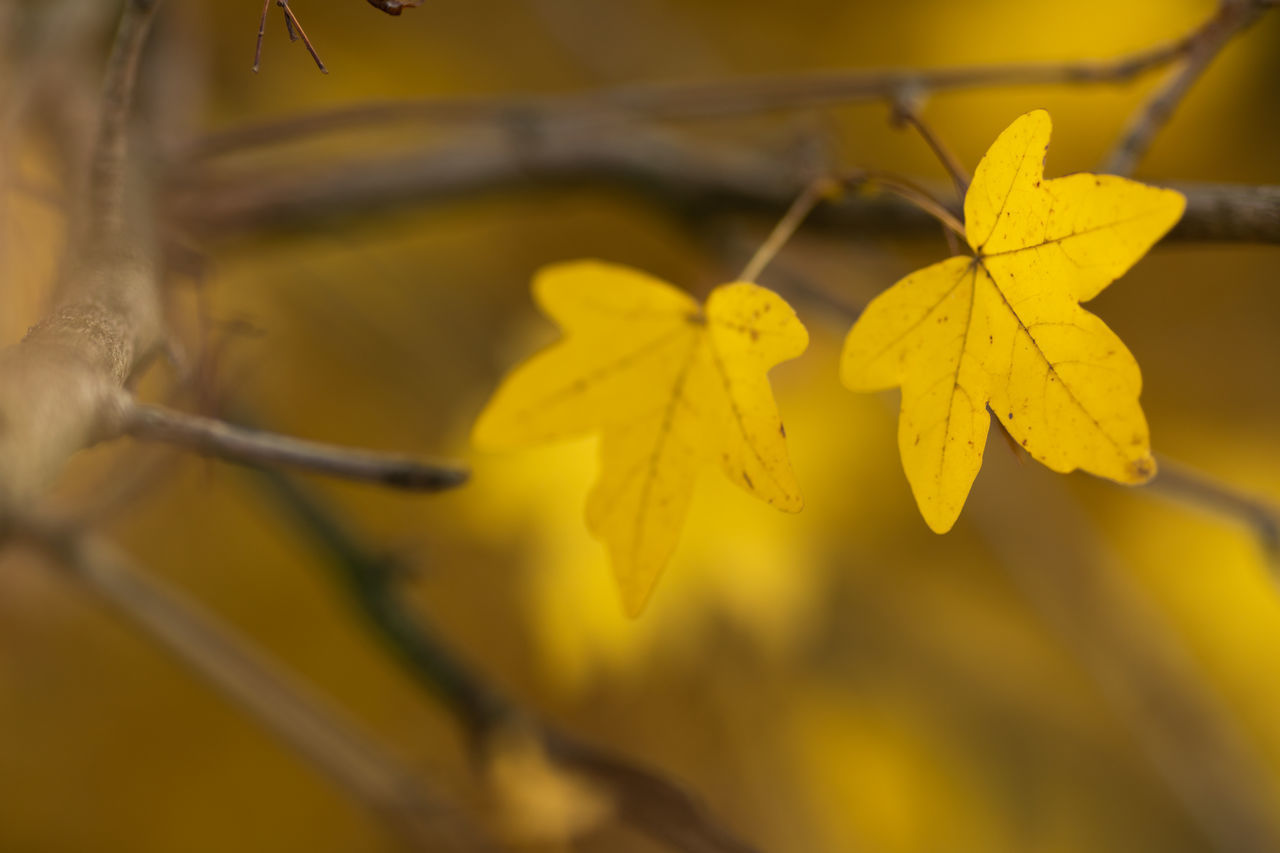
<point>827,188</point>
<point>262,31</point>
<point>1233,18</point>
<point>213,437</point>
<point>294,29</point>
<point>914,194</point>
<point>905,112</point>
<point>818,190</point>
<point>288,20</point>
<point>647,802</point>
<point>735,96</point>
<point>292,23</point>
<point>687,176</point>
<point>1189,486</point>
<point>273,696</point>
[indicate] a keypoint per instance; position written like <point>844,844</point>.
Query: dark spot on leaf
<point>747,477</point>
<point>782,430</point>
<point>755,334</point>
<point>1011,416</point>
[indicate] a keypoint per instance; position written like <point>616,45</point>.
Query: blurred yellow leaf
<point>670,386</point>
<point>1004,328</point>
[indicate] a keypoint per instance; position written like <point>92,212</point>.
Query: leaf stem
<point>831,186</point>
<point>916,195</point>
<point>907,113</point>
<point>817,191</point>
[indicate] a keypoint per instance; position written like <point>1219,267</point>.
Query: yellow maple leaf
<point>1004,328</point>
<point>669,385</point>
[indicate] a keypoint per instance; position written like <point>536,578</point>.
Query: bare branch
<point>1189,486</point>
<point>274,697</point>
<point>294,26</point>
<point>648,803</point>
<point>1233,18</point>
<point>243,446</point>
<point>262,32</point>
<point>107,174</point>
<point>736,96</point>
<point>907,113</point>
<point>681,174</point>
<point>57,386</point>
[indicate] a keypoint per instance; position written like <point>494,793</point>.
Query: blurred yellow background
<point>840,680</point>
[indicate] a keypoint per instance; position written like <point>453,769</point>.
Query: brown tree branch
<point>106,202</point>
<point>294,26</point>
<point>211,437</point>
<point>57,386</point>
<point>907,113</point>
<point>272,696</point>
<point>1188,486</point>
<point>683,100</point>
<point>1233,18</point>
<point>648,803</point>
<point>666,168</point>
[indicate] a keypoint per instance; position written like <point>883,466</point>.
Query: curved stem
<point>817,191</point>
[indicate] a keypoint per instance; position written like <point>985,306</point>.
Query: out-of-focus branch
<point>106,203</point>
<point>274,697</point>
<point>1051,550</point>
<point>1188,486</point>
<point>58,384</point>
<point>1233,18</point>
<point>212,437</point>
<point>906,113</point>
<point>737,96</point>
<point>688,176</point>
<point>395,7</point>
<point>648,803</point>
